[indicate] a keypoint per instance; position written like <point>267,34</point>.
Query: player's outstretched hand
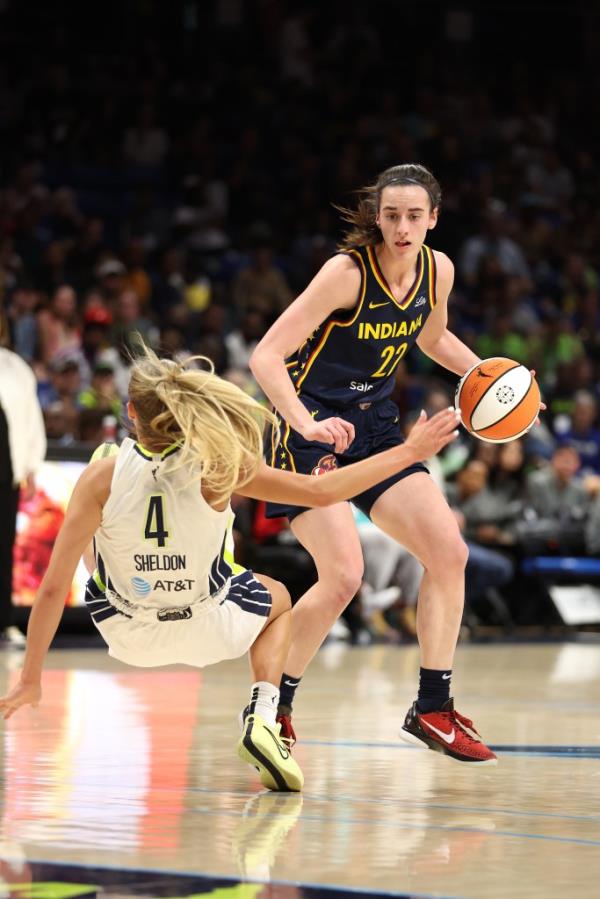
<point>334,431</point>
<point>543,406</point>
<point>429,435</point>
<point>22,694</point>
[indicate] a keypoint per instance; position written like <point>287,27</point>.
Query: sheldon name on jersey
<point>155,562</point>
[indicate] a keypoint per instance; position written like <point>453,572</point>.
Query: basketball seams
<point>496,384</point>
<point>480,431</point>
<point>484,394</point>
<point>509,412</point>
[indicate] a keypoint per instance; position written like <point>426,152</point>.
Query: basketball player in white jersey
<point>165,588</point>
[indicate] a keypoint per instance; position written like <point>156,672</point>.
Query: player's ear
<point>433,217</point>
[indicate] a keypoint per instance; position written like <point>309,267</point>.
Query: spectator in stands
<point>137,277</point>
<point>65,381</point>
<point>494,241</point>
<point>129,320</point>
<point>109,276</point>
<point>96,335</point>
<point>560,503</point>
<point>23,321</point>
<point>22,450</point>
<point>592,528</point>
<point>59,325</point>
<point>102,393</point>
<point>241,341</point>
<point>583,431</point>
<point>261,285</point>
<point>488,517</point>
<point>485,521</point>
<point>146,144</point>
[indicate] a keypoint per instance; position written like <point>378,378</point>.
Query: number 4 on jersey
<point>156,520</point>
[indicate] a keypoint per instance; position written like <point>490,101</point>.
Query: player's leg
<point>330,536</point>
<point>415,513</point>
<point>261,744</point>
<point>269,651</point>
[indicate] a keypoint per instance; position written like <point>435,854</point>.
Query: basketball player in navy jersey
<point>327,364</point>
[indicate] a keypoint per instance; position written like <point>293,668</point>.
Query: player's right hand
<point>334,431</point>
<point>21,694</point>
<point>429,435</point>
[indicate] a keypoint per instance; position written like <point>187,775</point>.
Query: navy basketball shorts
<point>377,428</point>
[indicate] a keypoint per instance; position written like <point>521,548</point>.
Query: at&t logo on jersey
<point>325,464</point>
<point>140,586</point>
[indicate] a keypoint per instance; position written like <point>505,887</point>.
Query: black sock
<point>287,691</point>
<point>434,689</point>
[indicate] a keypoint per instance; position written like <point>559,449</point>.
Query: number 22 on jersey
<point>391,357</point>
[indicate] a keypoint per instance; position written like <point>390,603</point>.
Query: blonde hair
<point>365,231</point>
<point>218,427</point>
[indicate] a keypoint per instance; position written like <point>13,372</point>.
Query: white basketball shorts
<point>202,634</point>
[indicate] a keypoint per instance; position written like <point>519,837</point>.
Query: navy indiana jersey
<point>352,356</point>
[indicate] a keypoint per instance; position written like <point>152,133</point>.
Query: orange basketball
<point>499,400</point>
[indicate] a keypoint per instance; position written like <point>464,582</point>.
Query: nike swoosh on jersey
<point>446,676</point>
<point>447,738</point>
<point>377,305</point>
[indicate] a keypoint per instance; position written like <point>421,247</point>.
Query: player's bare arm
<point>82,519</point>
<point>426,438</point>
<point>435,340</point>
<point>335,286</point>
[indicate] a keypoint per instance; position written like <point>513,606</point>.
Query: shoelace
<point>285,723</point>
<point>463,723</point>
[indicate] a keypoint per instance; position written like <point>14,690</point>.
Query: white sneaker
<point>378,600</point>
<point>339,630</point>
<point>13,636</point>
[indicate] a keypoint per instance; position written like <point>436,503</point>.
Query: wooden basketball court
<point>126,782</point>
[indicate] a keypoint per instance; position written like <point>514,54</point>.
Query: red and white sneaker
<point>448,732</point>
<point>286,734</point>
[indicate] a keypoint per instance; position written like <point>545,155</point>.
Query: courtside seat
<point>575,567</point>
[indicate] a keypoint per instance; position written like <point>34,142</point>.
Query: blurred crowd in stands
<point>182,188</point>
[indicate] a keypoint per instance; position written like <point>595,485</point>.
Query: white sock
<point>264,701</point>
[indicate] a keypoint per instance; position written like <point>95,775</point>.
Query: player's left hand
<point>543,406</point>
<point>22,694</point>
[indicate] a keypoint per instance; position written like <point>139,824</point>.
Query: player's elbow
<point>254,361</point>
<point>259,362</point>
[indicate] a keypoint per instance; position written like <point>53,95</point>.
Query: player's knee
<point>449,556</point>
<point>280,598</point>
<point>342,584</point>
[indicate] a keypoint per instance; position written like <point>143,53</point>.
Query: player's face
<point>405,215</point>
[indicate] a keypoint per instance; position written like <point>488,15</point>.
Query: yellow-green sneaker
<point>262,747</point>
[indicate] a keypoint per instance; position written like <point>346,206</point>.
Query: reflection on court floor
<point>126,782</point>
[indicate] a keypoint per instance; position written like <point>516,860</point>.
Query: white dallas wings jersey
<point>160,544</point>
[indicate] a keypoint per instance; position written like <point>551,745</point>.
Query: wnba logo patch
<point>325,464</point>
